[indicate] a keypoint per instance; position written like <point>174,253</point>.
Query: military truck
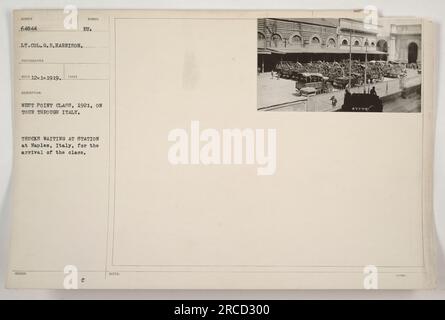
<point>343,82</point>
<point>316,81</point>
<point>362,102</point>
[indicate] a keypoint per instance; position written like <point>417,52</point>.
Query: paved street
<point>275,91</point>
<point>409,104</point>
<point>279,95</point>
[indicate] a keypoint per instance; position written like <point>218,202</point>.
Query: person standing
<point>347,97</point>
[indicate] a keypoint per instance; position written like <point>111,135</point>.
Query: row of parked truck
<point>322,77</point>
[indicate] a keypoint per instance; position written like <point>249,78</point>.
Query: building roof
<point>319,50</point>
<point>327,22</point>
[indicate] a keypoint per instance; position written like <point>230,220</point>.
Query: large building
<point>404,40</point>
<point>306,40</point>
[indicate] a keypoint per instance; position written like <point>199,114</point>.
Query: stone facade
<point>363,37</point>
<point>315,33</point>
<point>306,40</point>
<point>291,33</point>
<point>406,43</point>
<point>397,41</point>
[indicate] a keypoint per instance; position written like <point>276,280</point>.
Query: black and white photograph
<point>339,65</point>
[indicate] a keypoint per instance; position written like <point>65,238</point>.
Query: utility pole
<point>366,65</point>
<point>350,57</point>
<point>265,45</point>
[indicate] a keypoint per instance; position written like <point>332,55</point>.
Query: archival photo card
<point>339,65</point>
<point>141,160</point>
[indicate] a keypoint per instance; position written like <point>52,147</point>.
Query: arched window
<point>356,43</point>
<point>345,42</point>
<point>382,45</point>
<point>296,40</point>
<point>373,44</point>
<point>315,40</point>
<point>276,40</point>
<point>366,43</point>
<point>413,52</point>
<point>261,40</point>
<point>331,43</point>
